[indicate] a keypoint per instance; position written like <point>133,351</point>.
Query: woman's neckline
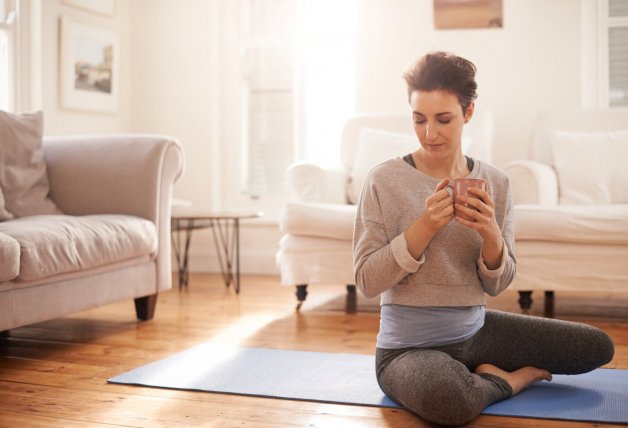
<point>472,165</point>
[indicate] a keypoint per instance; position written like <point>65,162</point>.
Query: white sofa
<point>112,241</point>
<point>317,225</point>
<point>571,205</point>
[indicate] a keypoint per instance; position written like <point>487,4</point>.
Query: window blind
<point>295,56</point>
<point>617,8</point>
<point>618,66</point>
<point>269,126</point>
<point>618,53</point>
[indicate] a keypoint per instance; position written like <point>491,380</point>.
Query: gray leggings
<point>439,385</point>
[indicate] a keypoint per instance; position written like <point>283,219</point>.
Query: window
<point>4,71</point>
<point>20,55</point>
<point>618,53</point>
<point>7,18</point>
<point>604,53</point>
<point>289,66</point>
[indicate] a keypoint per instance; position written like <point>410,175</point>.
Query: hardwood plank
<point>10,419</point>
<point>54,373</point>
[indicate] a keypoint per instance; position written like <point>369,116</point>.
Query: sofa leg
<point>145,307</point>
<point>301,295</point>
<point>549,304</point>
<point>525,301</point>
<point>351,306</point>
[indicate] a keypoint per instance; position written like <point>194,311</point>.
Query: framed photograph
<point>90,66</point>
<point>465,14</point>
<point>103,7</point>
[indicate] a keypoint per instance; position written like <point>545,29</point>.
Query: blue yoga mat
<point>598,396</point>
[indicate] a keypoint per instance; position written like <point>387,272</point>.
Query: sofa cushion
<point>319,220</point>
<point>586,224</point>
<point>56,244</point>
<point>23,176</point>
<point>9,257</point>
<point>591,166</point>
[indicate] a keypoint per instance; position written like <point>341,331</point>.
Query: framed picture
<point>465,14</point>
<point>104,7</point>
<point>90,66</point>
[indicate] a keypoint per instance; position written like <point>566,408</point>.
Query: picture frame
<point>103,7</point>
<point>468,14</point>
<point>89,66</point>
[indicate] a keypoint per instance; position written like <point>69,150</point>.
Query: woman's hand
<point>481,209</point>
<point>439,210</point>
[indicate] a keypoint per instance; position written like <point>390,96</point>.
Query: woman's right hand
<point>439,208</point>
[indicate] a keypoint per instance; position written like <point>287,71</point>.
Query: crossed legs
<point>452,384</point>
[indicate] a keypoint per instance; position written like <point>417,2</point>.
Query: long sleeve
<point>379,262</point>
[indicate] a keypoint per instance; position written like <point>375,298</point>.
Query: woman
<point>439,352</point>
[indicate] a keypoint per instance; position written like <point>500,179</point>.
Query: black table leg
<point>181,252</point>
<point>227,241</point>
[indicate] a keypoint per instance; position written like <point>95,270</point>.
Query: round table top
<point>216,215</point>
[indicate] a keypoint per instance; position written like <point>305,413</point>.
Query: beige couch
<point>112,241</point>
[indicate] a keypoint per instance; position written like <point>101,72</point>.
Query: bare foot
<point>519,379</point>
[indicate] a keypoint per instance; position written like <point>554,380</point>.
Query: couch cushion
<point>56,244</point>
<point>591,166</point>
<point>587,224</point>
<point>23,175</point>
<point>319,220</point>
<point>9,257</point>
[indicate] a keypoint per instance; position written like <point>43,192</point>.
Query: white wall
<point>533,63</point>
<point>171,68</point>
<point>172,83</point>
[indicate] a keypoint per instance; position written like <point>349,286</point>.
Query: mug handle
<point>449,189</point>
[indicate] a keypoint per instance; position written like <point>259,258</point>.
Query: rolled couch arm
<point>316,183</point>
<point>129,174</point>
<point>532,182</point>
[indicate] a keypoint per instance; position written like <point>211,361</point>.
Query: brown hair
<point>443,71</point>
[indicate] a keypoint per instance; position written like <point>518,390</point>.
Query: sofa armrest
<point>532,182</point>
<point>129,174</point>
<point>316,183</point>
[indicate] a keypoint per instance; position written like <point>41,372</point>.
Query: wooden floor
<point>53,374</point>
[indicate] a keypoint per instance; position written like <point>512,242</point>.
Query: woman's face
<point>438,122</point>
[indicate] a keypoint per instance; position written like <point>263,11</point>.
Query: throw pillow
<point>591,167</point>
<point>23,176</point>
<point>374,147</point>
<point>4,214</point>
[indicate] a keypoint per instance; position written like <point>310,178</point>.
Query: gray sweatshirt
<point>451,271</point>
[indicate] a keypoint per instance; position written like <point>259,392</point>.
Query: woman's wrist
<point>418,236</point>
<point>492,250</point>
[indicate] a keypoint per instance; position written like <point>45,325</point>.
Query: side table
<point>226,231</point>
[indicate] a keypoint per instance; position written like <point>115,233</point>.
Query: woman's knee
<point>603,348</point>
<point>448,402</point>
<point>587,349</point>
<point>434,386</point>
